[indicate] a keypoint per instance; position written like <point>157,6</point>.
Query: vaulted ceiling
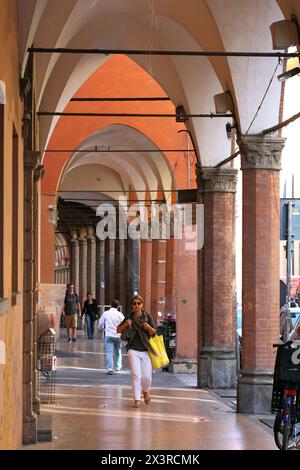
<point>193,25</point>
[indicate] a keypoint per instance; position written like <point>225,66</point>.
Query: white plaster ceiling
<point>233,25</point>
<point>145,172</point>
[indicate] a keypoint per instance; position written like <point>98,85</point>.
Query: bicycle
<point>286,396</point>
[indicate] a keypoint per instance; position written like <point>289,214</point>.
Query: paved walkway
<point>94,410</point>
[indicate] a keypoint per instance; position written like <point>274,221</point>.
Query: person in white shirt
<point>109,321</point>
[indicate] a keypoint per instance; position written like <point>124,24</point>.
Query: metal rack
<point>46,366</point>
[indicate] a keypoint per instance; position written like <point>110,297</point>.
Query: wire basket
<point>46,366</point>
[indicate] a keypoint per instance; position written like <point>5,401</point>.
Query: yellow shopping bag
<point>160,359</point>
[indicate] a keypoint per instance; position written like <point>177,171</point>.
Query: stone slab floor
<point>93,410</point>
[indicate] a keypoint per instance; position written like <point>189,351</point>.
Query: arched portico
<point>190,82</point>
<point>194,90</point>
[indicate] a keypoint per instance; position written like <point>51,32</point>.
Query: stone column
<point>31,163</point>
<point>82,265</point>
<point>217,368</point>
<point>200,291</point>
<point>122,274</point>
<point>117,268</point>
<point>91,261</point>
<point>100,271</point>
<point>261,164</point>
<point>146,271</point>
<point>170,276</point>
<point>75,261</point>
<point>133,266</point>
<point>109,270</point>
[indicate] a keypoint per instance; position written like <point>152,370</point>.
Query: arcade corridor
<point>142,148</point>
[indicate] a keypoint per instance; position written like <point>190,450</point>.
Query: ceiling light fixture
<point>288,74</point>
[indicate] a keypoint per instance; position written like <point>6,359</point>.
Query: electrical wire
<point>264,96</point>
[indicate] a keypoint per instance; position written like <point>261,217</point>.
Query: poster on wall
<point>49,306</point>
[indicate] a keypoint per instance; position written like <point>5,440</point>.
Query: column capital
<point>212,180</point>
<point>82,236</point>
<point>91,233</point>
<point>32,158</point>
<point>52,214</point>
<point>32,162</point>
<point>74,236</point>
<point>261,152</point>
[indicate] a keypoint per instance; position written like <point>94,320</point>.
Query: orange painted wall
<point>118,77</point>
<point>11,318</point>
<point>121,77</point>
<point>47,230</point>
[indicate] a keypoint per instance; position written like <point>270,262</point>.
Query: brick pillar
<point>100,271</point>
<point>158,279</point>
<point>217,368</point>
<point>82,266</point>
<point>91,261</point>
<point>75,261</point>
<point>186,306</point>
<point>146,265</point>
<point>261,164</point>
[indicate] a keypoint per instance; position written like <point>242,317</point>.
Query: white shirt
<point>110,320</point>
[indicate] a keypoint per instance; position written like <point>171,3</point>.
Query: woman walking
<point>90,311</point>
<point>138,328</point>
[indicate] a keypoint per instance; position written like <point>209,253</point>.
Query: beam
<point>60,50</point>
<point>122,99</point>
<point>182,116</point>
<point>111,150</point>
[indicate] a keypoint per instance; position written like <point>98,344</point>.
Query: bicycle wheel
<point>287,428</point>
<point>283,434</point>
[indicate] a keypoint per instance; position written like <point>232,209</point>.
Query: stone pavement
<point>93,410</point>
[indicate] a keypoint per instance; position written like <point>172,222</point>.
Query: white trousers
<point>141,372</point>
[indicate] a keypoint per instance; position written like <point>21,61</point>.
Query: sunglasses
<point>137,303</point>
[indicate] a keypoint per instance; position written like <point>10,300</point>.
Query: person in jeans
<point>70,310</point>
<point>90,311</point>
<point>109,321</point>
<point>138,328</point>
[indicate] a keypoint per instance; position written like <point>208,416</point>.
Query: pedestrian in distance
<point>70,310</point>
<point>90,312</point>
<point>113,345</point>
<point>137,329</point>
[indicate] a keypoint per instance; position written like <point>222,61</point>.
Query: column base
<point>183,366</point>
<point>44,428</point>
<point>30,429</point>
<point>254,391</point>
<point>217,368</point>
<point>36,407</point>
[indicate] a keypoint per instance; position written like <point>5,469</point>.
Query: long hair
<point>136,297</point>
